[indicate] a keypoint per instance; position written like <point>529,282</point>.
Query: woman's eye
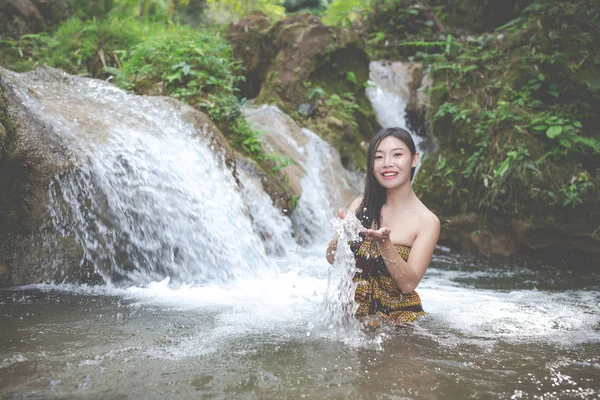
<point>397,154</point>
<point>378,157</point>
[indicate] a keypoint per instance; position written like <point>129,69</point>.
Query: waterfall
<point>149,195</point>
<point>315,207</point>
<point>315,169</point>
<point>275,228</point>
<point>389,93</point>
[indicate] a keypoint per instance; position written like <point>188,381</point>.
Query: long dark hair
<point>369,211</point>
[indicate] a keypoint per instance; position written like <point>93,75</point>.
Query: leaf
<point>577,124</point>
<point>565,143</point>
<point>173,77</point>
<point>502,168</point>
<point>351,77</point>
<point>554,131</point>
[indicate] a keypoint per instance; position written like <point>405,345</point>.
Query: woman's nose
<point>387,160</point>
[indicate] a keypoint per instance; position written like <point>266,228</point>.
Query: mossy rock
<point>298,53</point>
<point>284,198</point>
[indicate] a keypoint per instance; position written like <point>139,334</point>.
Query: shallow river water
<point>495,329</point>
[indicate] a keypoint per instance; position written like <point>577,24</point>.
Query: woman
<point>399,237</point>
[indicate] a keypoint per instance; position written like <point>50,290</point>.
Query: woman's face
<point>393,162</point>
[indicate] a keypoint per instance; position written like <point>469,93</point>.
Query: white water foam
<point>566,318</point>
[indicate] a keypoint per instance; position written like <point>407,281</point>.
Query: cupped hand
<point>381,235</point>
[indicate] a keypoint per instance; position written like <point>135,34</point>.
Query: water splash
<point>336,315</point>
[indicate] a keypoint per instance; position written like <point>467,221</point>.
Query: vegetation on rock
<point>515,116</point>
<point>314,73</point>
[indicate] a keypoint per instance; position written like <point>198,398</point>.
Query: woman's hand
<point>381,235</point>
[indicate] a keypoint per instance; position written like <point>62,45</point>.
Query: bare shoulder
<point>429,220</point>
<point>355,204</point>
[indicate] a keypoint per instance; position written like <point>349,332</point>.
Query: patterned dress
<point>378,296</point>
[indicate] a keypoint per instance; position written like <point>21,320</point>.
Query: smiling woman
<point>399,235</point>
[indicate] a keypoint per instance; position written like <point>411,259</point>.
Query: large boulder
<point>35,151</point>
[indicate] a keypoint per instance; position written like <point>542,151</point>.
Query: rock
<point>18,17</point>
<point>3,275</point>
<point>2,139</point>
<point>334,123</point>
<point>475,233</point>
<point>283,137</point>
<point>246,36</point>
<point>37,156</point>
<point>307,109</point>
<point>282,195</point>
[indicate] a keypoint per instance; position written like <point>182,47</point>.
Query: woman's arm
<point>332,246</point>
<point>408,274</point>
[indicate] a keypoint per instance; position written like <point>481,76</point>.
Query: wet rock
<point>283,137</point>
<point>282,195</point>
<point>3,275</point>
<point>470,233</point>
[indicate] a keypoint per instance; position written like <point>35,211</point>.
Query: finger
<point>341,213</point>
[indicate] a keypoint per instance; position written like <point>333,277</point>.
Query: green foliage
<point>346,13</point>
<point>149,57</point>
<point>225,11</point>
<point>152,9</point>
<point>517,111</point>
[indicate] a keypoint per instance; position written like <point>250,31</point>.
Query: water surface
<point>495,329</point>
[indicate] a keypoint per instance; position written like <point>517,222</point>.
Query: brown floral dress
<point>378,296</point>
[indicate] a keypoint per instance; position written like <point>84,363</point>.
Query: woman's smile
<point>389,174</point>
